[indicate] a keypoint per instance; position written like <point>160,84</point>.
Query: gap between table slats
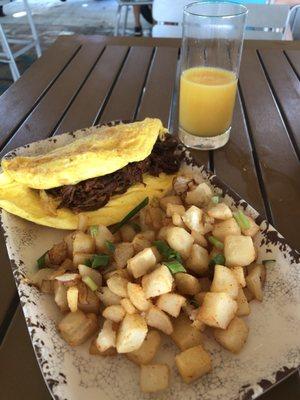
<point>293,57</point>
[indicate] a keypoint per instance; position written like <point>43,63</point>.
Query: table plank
<point>286,89</point>
<point>45,117</point>
<point>93,95</point>
<point>34,83</point>
<point>126,93</point>
<point>294,58</point>
<point>277,159</point>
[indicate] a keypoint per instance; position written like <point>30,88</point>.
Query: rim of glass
<point>242,9</point>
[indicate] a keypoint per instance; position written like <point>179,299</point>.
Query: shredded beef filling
<point>94,193</point>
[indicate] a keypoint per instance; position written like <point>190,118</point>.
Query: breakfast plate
<point>271,353</point>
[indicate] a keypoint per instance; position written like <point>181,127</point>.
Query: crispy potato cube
<point>254,228</point>
<point>80,258</point>
<point>118,285</point>
<point>127,233</point>
<point>58,253</point>
<point>162,234</point>
<point>142,262</point>
<point>187,284</point>
<point>88,301</point>
<point>248,294</point>
<point>255,281</point>
<point>106,337</point>
<point>171,303</point>
<point>114,313</point>
<point>131,333</point>
<point>154,378</point>
<point>103,235</point>
<point>94,351</point>
<point>180,240</point>
<point>60,296</point>
<point>154,217</point>
<point>239,250</point>
<point>141,241</point>
<point>234,337</point>
<point>177,220</point>
<point>107,297</point>
<point>159,320</point>
<point>175,209</point>
<point>239,274</point>
<point>158,282</point>
<point>137,296</point>
<point>193,363</point>
<point>123,252</point>
<point>164,201</point>
<point>185,335</point>
<point>200,196</point>
<point>146,353</point>
<point>220,211</point>
<point>242,303</point>
<point>76,327</point>
<point>224,281</point>
<point>226,228</point>
<point>83,243</point>
<point>217,310</point>
<point>205,284</point>
<point>192,219</point>
<point>199,238</point>
<point>72,297</point>
<point>128,306</point>
<point>92,273</point>
<point>198,260</point>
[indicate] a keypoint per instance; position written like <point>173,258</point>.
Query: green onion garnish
<point>266,262</point>
<point>131,214</point>
<point>135,226</point>
<point>218,259</point>
<point>100,260</point>
<point>88,262</point>
<point>90,283</point>
<point>41,262</point>
<point>175,266</point>
<point>215,199</point>
<point>110,246</point>
<point>242,220</point>
<point>166,251</point>
<point>215,242</point>
<point>94,230</point>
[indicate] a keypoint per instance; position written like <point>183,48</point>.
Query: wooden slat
<point>278,161</point>
<point>234,164</point>
<point>20,376</point>
<point>42,121</point>
<point>21,97</point>
<point>286,87</point>
<point>294,57</point>
<point>125,96</point>
<point>91,98</point>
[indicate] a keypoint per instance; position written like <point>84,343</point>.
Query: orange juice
<point>207,97</point>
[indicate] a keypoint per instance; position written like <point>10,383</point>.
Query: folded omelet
<point>97,152</point>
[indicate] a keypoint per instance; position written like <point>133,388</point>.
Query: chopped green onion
<point>94,230</point>
<point>41,262</point>
<point>218,259</point>
<point>194,303</point>
<point>100,260</point>
<point>215,242</point>
<point>88,262</point>
<point>175,266</point>
<point>166,251</point>
<point>135,226</point>
<point>215,199</point>
<point>90,283</point>
<point>242,220</point>
<point>268,262</point>
<point>110,246</point>
<point>131,214</point>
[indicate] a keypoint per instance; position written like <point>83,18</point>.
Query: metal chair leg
<point>125,20</point>
<point>9,55</point>
<point>33,29</point>
<point>118,20</point>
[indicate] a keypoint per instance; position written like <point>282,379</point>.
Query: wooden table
<point>80,81</point>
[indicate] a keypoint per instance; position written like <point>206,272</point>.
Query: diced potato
<point>187,284</point>
<point>185,335</point>
<point>75,328</point>
<point>254,228</point>
<point>81,258</point>
<point>147,351</point>
<point>60,296</point>
<point>69,241</point>
<point>239,275</point>
<point>68,265</point>
<point>142,262</point>
<point>155,217</point>
<point>58,253</point>
<point>123,252</point>
<point>239,250</point>
<point>177,220</point>
<point>175,209</point>
<point>88,301</point>
<point>248,294</point>
<point>103,235</point>
<point>159,320</point>
<point>199,297</point>
<point>200,196</point>
<point>128,306</point>
<point>162,234</point>
<point>234,337</point>
<point>224,281</point>
<point>217,310</point>
<point>158,282</point>
<point>131,333</point>
<point>226,228</point>
<point>199,325</point>
<point>114,313</point>
<point>180,184</point>
<point>118,285</point>
<point>171,303</point>
<point>72,297</point>
<point>107,336</point>
<point>164,201</point>
<point>83,243</point>
<point>137,296</point>
<point>92,273</point>
<point>205,284</point>
<point>199,238</point>
<point>94,351</point>
<point>193,363</point>
<point>123,273</point>
<point>69,279</point>
<point>107,297</point>
<point>82,222</point>
<point>242,303</point>
<point>220,211</point>
<point>127,233</point>
<point>180,240</point>
<point>154,378</point>
<point>47,287</point>
<point>192,219</point>
<point>198,260</point>
<point>255,281</point>
<point>140,243</point>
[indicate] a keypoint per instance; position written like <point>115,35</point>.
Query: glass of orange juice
<point>211,51</point>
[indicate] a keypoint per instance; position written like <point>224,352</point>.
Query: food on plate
<point>145,278</point>
<point>102,173</point>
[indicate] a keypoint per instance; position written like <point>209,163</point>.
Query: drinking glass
<point>212,44</point>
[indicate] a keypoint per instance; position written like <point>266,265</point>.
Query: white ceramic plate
<point>271,353</point>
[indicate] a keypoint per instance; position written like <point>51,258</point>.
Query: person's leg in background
<point>137,21</point>
<point>1,12</point>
